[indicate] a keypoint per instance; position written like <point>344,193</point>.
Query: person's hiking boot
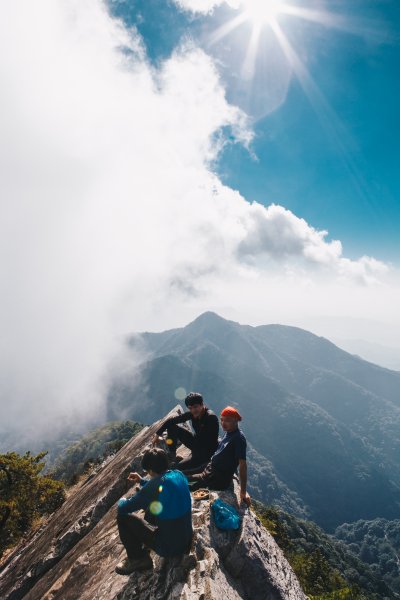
<point>129,565</point>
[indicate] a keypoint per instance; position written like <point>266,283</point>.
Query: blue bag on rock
<point>225,515</point>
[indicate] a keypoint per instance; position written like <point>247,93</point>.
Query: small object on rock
<point>201,494</point>
<point>128,566</point>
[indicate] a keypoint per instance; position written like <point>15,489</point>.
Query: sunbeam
<point>226,29</point>
<point>264,60</point>
<point>330,122</point>
<point>249,63</point>
<point>260,26</point>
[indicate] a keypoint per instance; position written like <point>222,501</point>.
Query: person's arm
<point>240,451</point>
<point>139,500</point>
<point>186,416</point>
<point>136,478</point>
<point>244,496</point>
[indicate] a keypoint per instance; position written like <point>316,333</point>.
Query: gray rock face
<point>74,554</point>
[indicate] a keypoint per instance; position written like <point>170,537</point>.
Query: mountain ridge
<point>305,408</point>
<point>77,549</point>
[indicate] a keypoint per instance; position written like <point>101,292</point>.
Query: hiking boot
<point>129,565</point>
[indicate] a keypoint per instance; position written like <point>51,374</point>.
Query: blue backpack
<point>225,515</point>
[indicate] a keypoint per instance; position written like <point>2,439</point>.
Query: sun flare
<point>262,11</point>
<point>270,59</point>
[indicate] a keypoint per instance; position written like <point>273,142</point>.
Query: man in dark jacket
<point>228,457</point>
<point>167,527</point>
<point>203,442</point>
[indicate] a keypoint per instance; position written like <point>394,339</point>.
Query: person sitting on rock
<point>203,442</point>
<point>167,526</point>
<point>230,454</point>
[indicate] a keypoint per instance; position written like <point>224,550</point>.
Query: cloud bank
<point>204,6</point>
<point>112,218</point>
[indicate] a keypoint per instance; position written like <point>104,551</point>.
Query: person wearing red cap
<point>230,454</point>
<point>229,411</point>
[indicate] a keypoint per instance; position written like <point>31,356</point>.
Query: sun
<point>262,11</point>
<point>260,81</point>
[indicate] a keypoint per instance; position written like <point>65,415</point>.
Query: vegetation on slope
<point>326,568</point>
<point>25,495</point>
<point>376,543</point>
<point>93,448</point>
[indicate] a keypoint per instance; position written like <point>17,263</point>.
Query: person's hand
<point>156,440</point>
<point>245,497</point>
<point>134,477</point>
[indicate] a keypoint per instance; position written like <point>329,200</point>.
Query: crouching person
<point>167,524</point>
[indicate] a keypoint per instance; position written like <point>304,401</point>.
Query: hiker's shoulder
<point>211,414</point>
<point>239,436</point>
<point>175,476</point>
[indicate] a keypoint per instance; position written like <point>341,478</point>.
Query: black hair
<point>193,398</point>
<point>155,460</point>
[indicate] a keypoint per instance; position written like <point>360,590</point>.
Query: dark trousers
<point>190,470</point>
<point>135,533</point>
<point>209,478</point>
<point>198,459</point>
<point>195,464</point>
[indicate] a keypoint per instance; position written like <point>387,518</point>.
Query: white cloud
<point>102,160</point>
<point>279,234</point>
<point>111,219</point>
<point>204,6</point>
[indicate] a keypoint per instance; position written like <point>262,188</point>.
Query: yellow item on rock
<point>201,494</point>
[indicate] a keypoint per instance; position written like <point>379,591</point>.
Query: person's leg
<point>195,485</point>
<point>219,481</point>
<point>176,433</point>
<point>192,465</point>
<point>209,478</point>
<point>134,532</point>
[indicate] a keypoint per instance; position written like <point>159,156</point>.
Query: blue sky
<point>342,176</point>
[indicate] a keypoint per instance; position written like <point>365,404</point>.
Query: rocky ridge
<point>74,554</point>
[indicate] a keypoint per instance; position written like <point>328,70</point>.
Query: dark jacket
<point>206,432</point>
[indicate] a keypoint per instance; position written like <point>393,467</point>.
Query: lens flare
<point>169,441</point>
<point>180,393</point>
<point>156,508</point>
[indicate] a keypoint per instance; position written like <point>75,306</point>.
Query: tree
<point>25,494</point>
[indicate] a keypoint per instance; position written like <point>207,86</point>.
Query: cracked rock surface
<point>74,554</point>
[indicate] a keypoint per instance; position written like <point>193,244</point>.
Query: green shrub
<point>25,495</point>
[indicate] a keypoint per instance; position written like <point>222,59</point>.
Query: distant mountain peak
<point>210,319</point>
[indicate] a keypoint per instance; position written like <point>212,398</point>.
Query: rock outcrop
<point>74,554</point>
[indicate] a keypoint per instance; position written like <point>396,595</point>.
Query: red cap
<point>229,411</point>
